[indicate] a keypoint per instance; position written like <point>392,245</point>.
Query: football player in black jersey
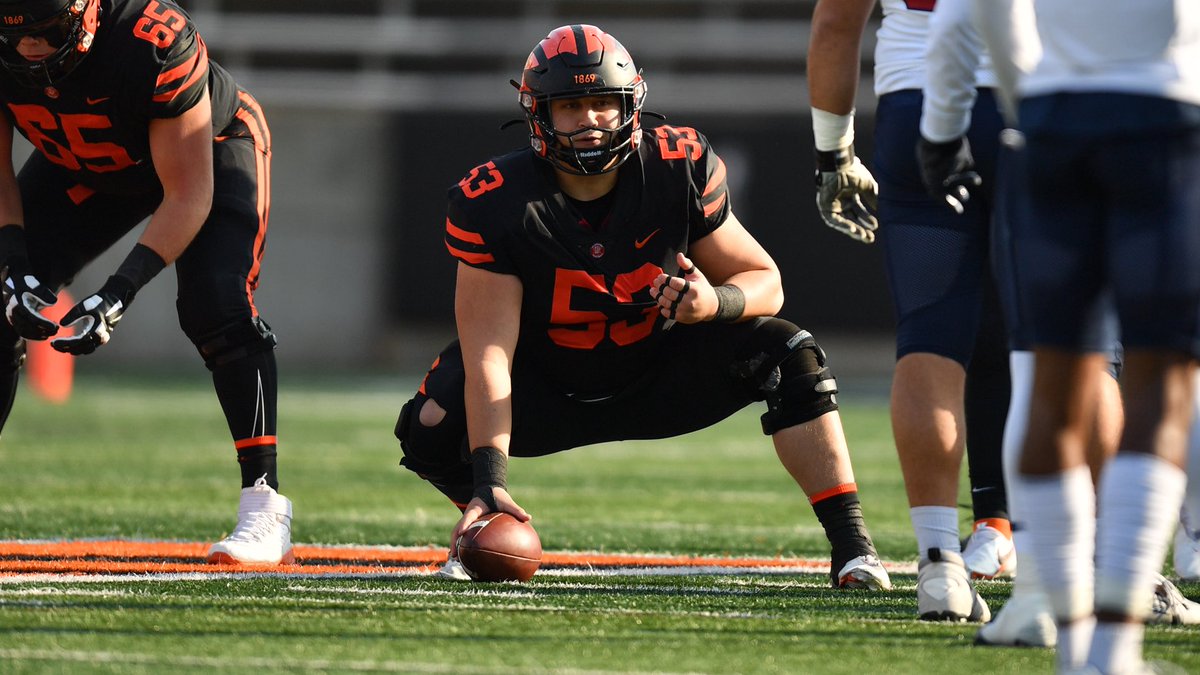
<point>130,120</point>
<point>607,292</point>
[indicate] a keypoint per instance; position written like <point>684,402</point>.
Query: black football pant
<point>67,226</point>
<point>695,385</point>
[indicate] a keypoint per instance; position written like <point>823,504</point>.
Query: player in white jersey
<point>954,51</point>
<point>1112,117</point>
<point>937,264</point>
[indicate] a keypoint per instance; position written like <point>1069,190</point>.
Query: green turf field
<point>151,459</point>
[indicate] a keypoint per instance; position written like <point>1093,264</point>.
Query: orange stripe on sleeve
<point>717,178</point>
<point>715,206</point>
<point>462,235</point>
<point>197,66</point>
<point>255,442</point>
<point>467,256</point>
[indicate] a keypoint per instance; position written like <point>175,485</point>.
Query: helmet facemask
<point>575,62</point>
<point>559,147</point>
<point>67,25</point>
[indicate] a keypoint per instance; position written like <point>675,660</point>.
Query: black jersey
<point>587,318</point>
<point>147,62</point>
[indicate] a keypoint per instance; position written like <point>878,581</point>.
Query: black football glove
<point>844,191</point>
<point>95,318</point>
<point>24,299</point>
<point>948,171</point>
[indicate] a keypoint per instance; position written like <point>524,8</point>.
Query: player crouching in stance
<point>131,120</point>
<point>607,292</point>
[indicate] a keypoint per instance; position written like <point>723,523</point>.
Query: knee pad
<point>234,341</point>
<point>789,369</point>
<point>431,452</point>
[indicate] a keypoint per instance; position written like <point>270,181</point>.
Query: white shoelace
<point>255,527</point>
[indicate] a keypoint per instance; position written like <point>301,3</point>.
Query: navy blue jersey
<point>147,62</point>
<point>587,317</point>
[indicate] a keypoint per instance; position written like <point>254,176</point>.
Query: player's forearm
<point>953,52</point>
<point>11,211</point>
<point>488,394</point>
<point>763,290</point>
<point>175,224</point>
<point>834,53</point>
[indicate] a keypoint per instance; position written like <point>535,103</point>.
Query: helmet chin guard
<point>572,62</point>
<point>67,25</point>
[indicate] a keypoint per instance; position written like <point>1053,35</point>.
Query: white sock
<point>1116,647</point>
<point>1020,365</point>
<point>936,527</point>
<point>1139,497</point>
<point>1073,641</point>
<point>1062,538</point>
<point>1190,515</point>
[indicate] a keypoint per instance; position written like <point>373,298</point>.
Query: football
<point>498,547</point>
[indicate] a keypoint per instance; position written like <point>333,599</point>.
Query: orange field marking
<point>157,557</point>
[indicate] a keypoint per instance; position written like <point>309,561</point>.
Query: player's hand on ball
<point>476,508</point>
<point>24,299</point>
<point>687,298</point>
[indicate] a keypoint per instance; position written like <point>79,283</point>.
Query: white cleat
<point>1187,553</point>
<point>1169,606</point>
<point>263,535</point>
<point>989,553</point>
<point>864,572</point>
<point>453,570</point>
<point>944,590</point>
<point>1024,621</point>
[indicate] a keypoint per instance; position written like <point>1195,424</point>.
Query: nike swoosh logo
<point>94,101</point>
<point>642,242</point>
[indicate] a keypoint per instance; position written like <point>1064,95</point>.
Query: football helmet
<point>574,61</point>
<point>68,26</point>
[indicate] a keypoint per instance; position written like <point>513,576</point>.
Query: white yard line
<point>278,663</point>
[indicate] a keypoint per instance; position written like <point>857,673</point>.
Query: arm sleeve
<point>953,52</point>
<point>1009,28</point>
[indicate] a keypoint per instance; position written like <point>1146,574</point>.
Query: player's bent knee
<point>429,445</point>
<point>234,341</point>
<point>791,373</point>
<point>431,414</point>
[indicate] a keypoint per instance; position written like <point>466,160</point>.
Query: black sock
<point>257,461</point>
<point>841,516</point>
<point>987,397</point>
<point>248,389</point>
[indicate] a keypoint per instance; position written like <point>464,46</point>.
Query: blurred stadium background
<point>377,106</point>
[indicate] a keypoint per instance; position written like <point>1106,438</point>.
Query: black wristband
<point>140,266</point>
<point>731,303</point>
<point>832,160</point>
<point>12,242</point>
<point>490,468</point>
